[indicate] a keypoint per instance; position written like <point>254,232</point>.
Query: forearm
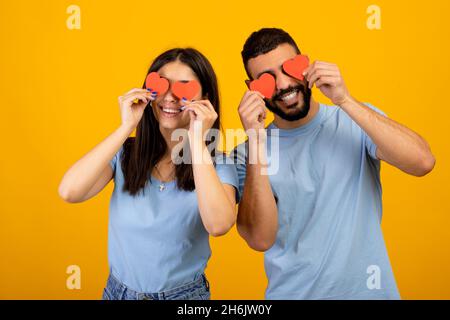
<point>81,177</point>
<point>217,210</point>
<point>396,144</point>
<point>257,216</point>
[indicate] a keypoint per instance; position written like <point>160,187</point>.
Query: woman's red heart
<point>155,83</point>
<point>265,84</point>
<point>187,90</point>
<point>295,67</point>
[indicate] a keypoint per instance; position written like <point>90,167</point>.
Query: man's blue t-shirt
<point>326,179</point>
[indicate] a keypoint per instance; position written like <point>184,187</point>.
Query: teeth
<point>171,110</point>
<point>289,96</point>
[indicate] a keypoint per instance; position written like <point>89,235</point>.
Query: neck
<point>285,124</point>
<point>167,134</point>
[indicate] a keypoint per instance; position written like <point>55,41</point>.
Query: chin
<point>172,124</point>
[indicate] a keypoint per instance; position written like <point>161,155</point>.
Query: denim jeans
<point>195,290</point>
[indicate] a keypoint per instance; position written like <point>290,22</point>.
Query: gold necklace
<point>162,185</point>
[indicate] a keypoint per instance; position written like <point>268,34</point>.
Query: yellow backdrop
<point>59,89</point>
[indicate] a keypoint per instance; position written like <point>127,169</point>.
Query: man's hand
<point>327,78</point>
<point>252,110</point>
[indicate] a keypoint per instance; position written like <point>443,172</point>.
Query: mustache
<point>282,92</point>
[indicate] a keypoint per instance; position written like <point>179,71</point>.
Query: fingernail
<point>148,89</point>
<point>182,108</point>
<point>184,99</point>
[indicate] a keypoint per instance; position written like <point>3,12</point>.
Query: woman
<point>161,213</point>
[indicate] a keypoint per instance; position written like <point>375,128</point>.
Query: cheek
<point>199,96</point>
<point>185,118</point>
<point>155,109</point>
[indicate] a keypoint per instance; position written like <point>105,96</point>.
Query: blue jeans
<point>195,290</point>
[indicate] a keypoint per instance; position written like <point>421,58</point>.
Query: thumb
<point>192,115</point>
<point>184,102</point>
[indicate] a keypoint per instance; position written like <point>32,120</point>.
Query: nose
<point>169,97</point>
<point>283,81</point>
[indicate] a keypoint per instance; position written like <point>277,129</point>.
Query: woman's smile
<point>169,111</point>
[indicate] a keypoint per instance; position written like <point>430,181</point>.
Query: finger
<point>258,94</point>
<point>322,71</point>
<point>184,103</point>
<point>316,74</point>
<point>207,104</point>
<point>136,90</point>
<point>204,111</point>
<point>133,95</point>
<point>151,96</point>
<point>254,110</point>
<point>245,96</point>
<point>309,68</point>
<point>192,116</point>
<point>194,108</point>
<point>325,81</point>
<point>251,99</point>
<point>250,95</point>
<point>135,99</point>
<point>251,106</point>
<point>256,113</point>
<point>325,64</point>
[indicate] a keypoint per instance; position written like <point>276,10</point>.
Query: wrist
<point>345,101</point>
<point>199,151</point>
<point>126,128</point>
<point>257,137</point>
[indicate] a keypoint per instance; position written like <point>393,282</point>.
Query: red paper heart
<point>295,67</point>
<point>155,83</point>
<point>264,84</point>
<point>187,90</point>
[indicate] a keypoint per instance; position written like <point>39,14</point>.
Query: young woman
<point>161,212</point>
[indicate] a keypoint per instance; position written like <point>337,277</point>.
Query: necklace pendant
<point>162,187</point>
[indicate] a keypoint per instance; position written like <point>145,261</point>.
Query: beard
<point>300,111</point>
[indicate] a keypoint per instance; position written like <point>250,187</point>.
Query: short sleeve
<point>371,147</point>
<point>239,158</point>
<point>115,159</point>
<point>226,171</point>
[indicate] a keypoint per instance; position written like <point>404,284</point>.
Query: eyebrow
<point>171,80</point>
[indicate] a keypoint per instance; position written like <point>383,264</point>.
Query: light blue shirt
<point>156,240</point>
<point>329,243</point>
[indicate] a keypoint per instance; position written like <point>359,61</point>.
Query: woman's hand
<point>203,116</point>
<point>132,106</point>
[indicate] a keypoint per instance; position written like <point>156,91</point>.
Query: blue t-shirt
<point>156,240</point>
<point>329,243</point>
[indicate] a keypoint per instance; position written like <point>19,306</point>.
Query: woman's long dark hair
<point>142,153</point>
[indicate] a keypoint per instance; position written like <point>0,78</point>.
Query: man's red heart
<point>187,90</point>
<point>155,83</point>
<point>264,84</point>
<point>295,67</point>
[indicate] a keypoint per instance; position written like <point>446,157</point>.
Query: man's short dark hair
<point>263,41</point>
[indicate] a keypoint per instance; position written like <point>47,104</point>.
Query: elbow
<point>67,194</point>
<point>260,245</point>
<point>425,166</point>
<point>219,230</point>
<point>257,243</point>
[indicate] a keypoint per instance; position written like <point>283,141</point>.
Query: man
<point>318,216</point>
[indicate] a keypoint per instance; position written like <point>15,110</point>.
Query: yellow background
<point>59,89</point>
